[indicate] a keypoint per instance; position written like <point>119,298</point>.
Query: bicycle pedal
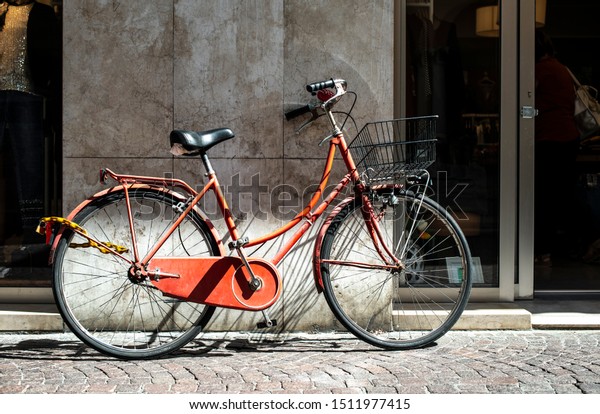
<point>264,325</point>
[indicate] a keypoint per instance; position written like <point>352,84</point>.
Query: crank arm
<point>157,275</point>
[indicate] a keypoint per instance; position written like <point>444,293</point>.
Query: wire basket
<point>387,151</point>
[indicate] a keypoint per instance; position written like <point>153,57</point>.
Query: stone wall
<point>134,70</point>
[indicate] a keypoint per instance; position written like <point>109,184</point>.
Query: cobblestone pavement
<point>461,362</point>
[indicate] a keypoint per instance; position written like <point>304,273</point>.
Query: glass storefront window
<point>30,136</point>
<point>453,72</point>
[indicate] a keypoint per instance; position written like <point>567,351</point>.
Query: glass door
<point>567,240</point>
<point>460,59</point>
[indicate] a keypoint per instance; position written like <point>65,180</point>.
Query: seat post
<point>206,162</point>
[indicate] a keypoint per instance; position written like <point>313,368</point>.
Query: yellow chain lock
<point>90,243</point>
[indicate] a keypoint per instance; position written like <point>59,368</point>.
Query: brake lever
<point>329,97</point>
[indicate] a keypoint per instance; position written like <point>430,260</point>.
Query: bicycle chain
<point>76,227</point>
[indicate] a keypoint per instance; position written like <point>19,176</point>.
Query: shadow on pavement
<point>72,349</point>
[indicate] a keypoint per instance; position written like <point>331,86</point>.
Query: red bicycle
<point>138,269</point>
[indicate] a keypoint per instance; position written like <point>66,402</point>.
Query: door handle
<point>528,112</point>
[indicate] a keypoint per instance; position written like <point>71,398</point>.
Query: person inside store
<point>556,144</point>
<point>29,79</point>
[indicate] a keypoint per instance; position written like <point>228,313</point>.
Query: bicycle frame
<point>309,214</point>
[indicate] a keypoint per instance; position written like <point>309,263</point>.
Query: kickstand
<point>267,323</point>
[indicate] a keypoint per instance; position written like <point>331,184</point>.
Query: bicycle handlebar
<point>328,93</point>
<point>317,86</point>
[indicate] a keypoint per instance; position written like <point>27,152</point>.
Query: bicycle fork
<point>372,222</point>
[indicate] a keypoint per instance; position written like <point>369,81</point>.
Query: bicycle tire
<point>112,313</point>
<point>393,308</point>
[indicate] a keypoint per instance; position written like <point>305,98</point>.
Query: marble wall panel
<point>352,40</point>
<point>229,72</point>
<point>118,77</point>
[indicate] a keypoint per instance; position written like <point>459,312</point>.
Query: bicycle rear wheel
<point>110,311</point>
<point>396,307</point>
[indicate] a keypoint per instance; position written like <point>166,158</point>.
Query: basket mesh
<point>387,151</point>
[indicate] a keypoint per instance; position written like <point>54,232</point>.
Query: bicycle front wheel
<point>396,306</point>
<point>109,310</point>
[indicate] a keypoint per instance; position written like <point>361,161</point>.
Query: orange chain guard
<point>217,281</point>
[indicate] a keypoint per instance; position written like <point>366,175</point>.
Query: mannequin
<point>29,70</point>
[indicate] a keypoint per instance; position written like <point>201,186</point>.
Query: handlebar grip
<point>317,86</point>
<point>294,113</point>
